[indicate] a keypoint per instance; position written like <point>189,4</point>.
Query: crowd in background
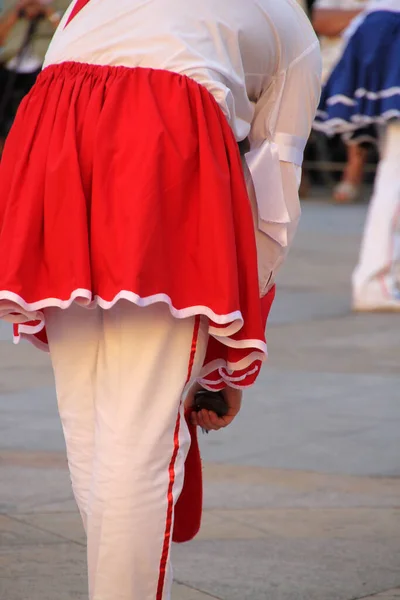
<point>26,28</point>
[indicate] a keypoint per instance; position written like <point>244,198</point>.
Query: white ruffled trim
<point>211,388</point>
<point>362,93</point>
<point>388,93</point>
<point>230,368</point>
<point>341,126</point>
<point>243,377</point>
<point>230,379</point>
<point>32,310</point>
<point>31,338</point>
<point>13,303</point>
<point>341,99</point>
<point>227,341</point>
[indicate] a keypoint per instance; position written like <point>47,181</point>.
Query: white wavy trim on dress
<point>32,310</point>
<point>230,367</point>
<point>212,388</point>
<point>347,128</point>
<point>363,93</point>
<point>232,382</point>
<point>253,371</point>
<point>341,99</point>
<point>16,310</point>
<point>28,335</point>
<point>388,93</point>
<point>232,379</point>
<point>227,341</point>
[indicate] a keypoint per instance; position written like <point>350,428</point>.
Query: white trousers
<point>377,273</point>
<point>120,376</point>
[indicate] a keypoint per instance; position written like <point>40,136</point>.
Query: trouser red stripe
<point>77,8</point>
<point>170,510</point>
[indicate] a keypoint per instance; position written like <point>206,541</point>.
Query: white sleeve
<point>280,130</point>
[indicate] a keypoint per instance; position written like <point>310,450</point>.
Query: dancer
<point>362,102</point>
<point>128,246</point>
<point>330,19</point>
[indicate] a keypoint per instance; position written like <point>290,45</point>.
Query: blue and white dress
<point>363,90</point>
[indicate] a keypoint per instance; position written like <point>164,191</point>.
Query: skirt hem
<point>29,324</point>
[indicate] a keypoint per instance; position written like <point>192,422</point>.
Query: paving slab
<point>301,492</point>
<point>183,592</point>
<point>388,595</point>
<point>33,490</point>
<point>327,422</point>
<point>65,526</point>
<point>295,569</point>
<point>43,572</point>
<point>15,534</point>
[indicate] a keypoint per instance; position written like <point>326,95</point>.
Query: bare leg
<point>348,189</point>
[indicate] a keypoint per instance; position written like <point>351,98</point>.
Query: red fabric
<point>119,182</point>
<point>170,512</point>
<point>77,8</point>
<point>189,508</point>
<point>220,378</point>
<point>187,518</point>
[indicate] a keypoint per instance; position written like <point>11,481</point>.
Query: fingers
<point>208,419</point>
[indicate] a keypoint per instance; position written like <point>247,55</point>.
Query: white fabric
<point>270,253</point>
<point>378,271</point>
<point>275,165</point>
<point>120,375</point>
<point>259,58</point>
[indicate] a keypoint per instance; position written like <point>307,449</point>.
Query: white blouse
<point>260,59</point>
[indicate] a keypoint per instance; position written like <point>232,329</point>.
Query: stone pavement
<point>302,497</point>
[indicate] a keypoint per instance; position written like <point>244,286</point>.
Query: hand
<point>207,419</point>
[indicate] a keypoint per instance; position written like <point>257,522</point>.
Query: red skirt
<point>121,183</point>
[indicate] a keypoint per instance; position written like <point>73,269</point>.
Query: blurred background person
<point>330,18</point>
<point>26,28</point>
<point>361,100</point>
